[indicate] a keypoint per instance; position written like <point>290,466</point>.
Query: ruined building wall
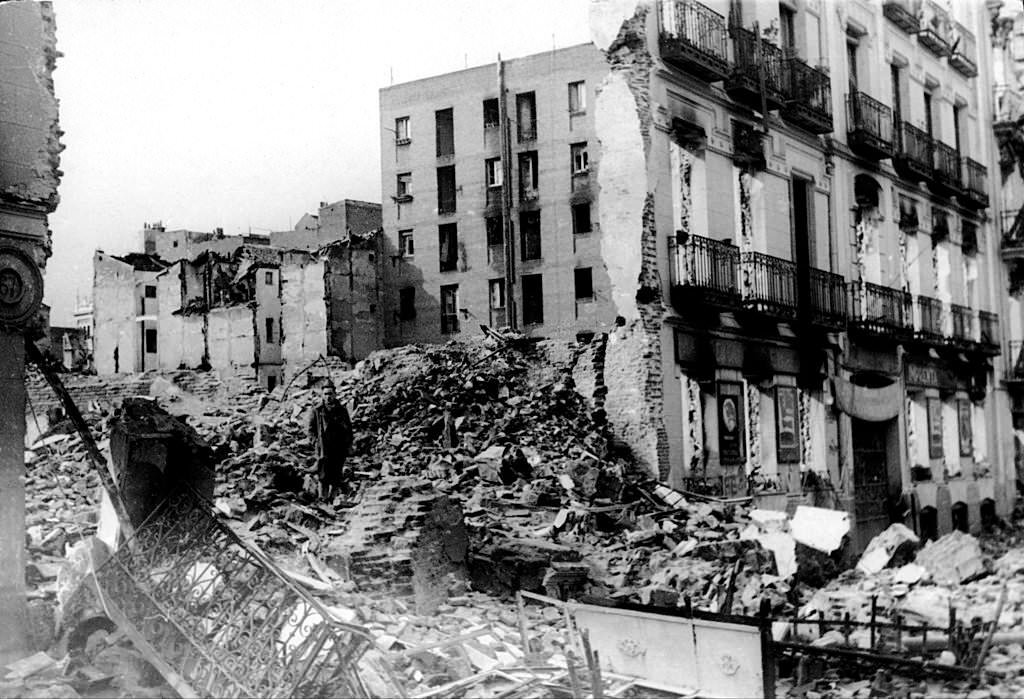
<point>170,328</point>
<point>230,339</point>
<point>355,314</point>
<point>304,324</point>
<point>115,308</point>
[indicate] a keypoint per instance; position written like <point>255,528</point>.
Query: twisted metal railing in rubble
<point>218,618</point>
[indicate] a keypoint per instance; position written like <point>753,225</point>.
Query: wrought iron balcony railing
<point>881,309</point>
<point>810,97</point>
<point>904,14</point>
<point>962,324</point>
<point>751,57</point>
<point>946,175</point>
<point>975,183</point>
<point>1012,224</point>
<point>964,51</point>
<point>705,265</point>
<point>928,320</point>
<point>827,302</point>
<point>694,39</point>
<point>1015,361</point>
<point>913,158</point>
<point>869,126</point>
<point>935,29</point>
<point>988,325</point>
<point>768,284</point>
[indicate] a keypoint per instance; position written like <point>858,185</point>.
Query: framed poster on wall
<point>934,428</point>
<point>787,425</point>
<point>731,423</point>
<point>964,415</point>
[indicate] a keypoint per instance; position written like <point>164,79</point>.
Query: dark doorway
<point>872,482</point>
<point>803,242</point>
<point>961,517</point>
<point>929,523</point>
<point>988,514</point>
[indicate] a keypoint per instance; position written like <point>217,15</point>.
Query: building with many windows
<point>808,268</point>
<point>487,183</point>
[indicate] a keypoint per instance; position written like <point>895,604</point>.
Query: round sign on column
<point>21,287</point>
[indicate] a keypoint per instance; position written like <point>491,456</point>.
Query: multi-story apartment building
<point>489,200</point>
<point>797,201</point>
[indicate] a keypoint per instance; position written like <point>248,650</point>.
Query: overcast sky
<point>246,113</point>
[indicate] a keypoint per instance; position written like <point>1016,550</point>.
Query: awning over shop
<point>870,404</point>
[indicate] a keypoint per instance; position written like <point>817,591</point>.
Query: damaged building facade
<point>488,182</point>
<point>797,229</point>
<point>238,305</point>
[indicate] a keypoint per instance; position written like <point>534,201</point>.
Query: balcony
<point>869,126</point>
<point>751,57</point>
<point>913,158</point>
<point>747,146</point>
<point>903,13</point>
<point>827,302</point>
<point>964,52</point>
<point>946,176</point>
<point>768,285</point>
<point>1012,225</point>
<point>928,320</point>
<point>703,271</point>
<point>988,340</point>
<point>810,97</point>
<point>975,192</point>
<point>1015,362</point>
<point>881,310</point>
<point>935,30</point>
<point>963,318</point>
<point>694,39</point>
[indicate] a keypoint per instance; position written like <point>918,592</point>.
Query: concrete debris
<point>821,529</point>
<point>954,558</point>
<point>881,550</point>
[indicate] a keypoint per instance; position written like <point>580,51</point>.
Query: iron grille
<point>828,299</point>
<point>928,319</point>
<point>881,309</point>
<point>870,125</point>
<point>962,316</point>
<point>947,165</point>
<point>769,284</point>
<point>705,263</point>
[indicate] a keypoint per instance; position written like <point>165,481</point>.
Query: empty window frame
<point>407,303</point>
<point>492,113</point>
<point>150,292</point>
<point>450,309</point>
<point>584,282</point>
<point>495,232</point>
<point>528,175</point>
<point>402,133</point>
<point>269,322</point>
<point>446,189</point>
<point>268,278</point>
<point>403,185</point>
<point>526,116</point>
<point>577,97</point>
<point>579,158</point>
<point>406,244</point>
<point>150,341</point>
<point>533,299</point>
<point>492,172</point>
<point>581,218</point>
<point>496,294</point>
<point>444,122</point>
<point>448,247</point>
<point>529,229</point>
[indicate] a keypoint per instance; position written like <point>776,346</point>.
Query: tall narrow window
<point>529,228</point>
<point>957,109</point>
<point>491,113</point>
<point>851,62</point>
<point>446,189</point>
<point>270,329</point>
<point>403,186</point>
<point>492,172</point>
<point>448,247</point>
<point>150,292</point>
<point>406,245</point>
<point>581,218</point>
<point>897,93</point>
<point>787,29</point>
<point>528,175</point>
<point>928,125</point>
<point>444,121</point>
<point>402,133</point>
<point>407,303</point>
<point>526,116</point>
<point>533,299</point>
<point>496,292</point>
<point>577,97</point>
<point>150,341</point>
<point>584,280</point>
<point>450,309</point>
<point>268,278</point>
<point>580,158</point>
<point>495,234</point>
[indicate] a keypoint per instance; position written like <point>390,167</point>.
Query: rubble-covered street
<point>429,547</point>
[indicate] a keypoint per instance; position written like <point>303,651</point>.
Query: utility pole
<point>507,226</point>
<point>29,196</point>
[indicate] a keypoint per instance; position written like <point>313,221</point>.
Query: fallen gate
<point>218,618</point>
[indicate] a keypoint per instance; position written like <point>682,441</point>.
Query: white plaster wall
<point>230,339</point>
<point>304,314</point>
<point>170,337</point>
<point>114,309</point>
<point>193,342</point>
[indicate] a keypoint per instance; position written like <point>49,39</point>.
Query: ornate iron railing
<point>827,300</point>
<point>988,323</point>
<point>962,317</point>
<point>964,51</point>
<point>914,151</point>
<point>1015,361</point>
<point>947,166</point>
<point>869,125</point>
<point>975,182</point>
<point>881,309</point>
<point>810,95</point>
<point>935,29</point>
<point>695,37</point>
<point>928,319</point>
<point>768,284</point>
<point>747,57</point>
<point>219,618</point>
<point>705,263</point>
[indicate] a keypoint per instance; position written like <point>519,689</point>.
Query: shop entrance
<point>872,481</point>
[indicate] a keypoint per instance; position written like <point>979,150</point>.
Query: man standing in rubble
<point>330,430</point>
